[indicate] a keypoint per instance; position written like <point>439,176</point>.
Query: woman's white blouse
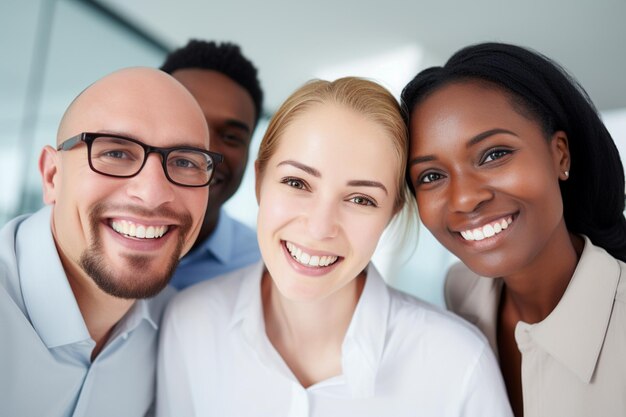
<point>400,357</point>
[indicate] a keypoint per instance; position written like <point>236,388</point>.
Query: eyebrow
<point>305,168</point>
<point>367,183</point>
<point>473,141</point>
<point>482,136</point>
<point>314,172</point>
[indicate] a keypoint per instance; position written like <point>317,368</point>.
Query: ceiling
<point>292,41</point>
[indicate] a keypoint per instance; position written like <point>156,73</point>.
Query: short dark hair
<point>593,196</point>
<point>225,58</point>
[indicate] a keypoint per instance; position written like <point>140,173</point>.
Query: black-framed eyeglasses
<point>122,157</point>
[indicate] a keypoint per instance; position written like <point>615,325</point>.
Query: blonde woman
<point>313,330</point>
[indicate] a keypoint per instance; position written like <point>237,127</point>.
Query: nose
<point>323,219</point>
<point>150,187</point>
<point>467,192</point>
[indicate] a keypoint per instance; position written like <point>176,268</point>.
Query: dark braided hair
<point>593,196</point>
<point>225,58</point>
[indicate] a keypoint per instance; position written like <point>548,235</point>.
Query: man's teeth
<point>309,260</point>
<point>139,231</point>
<point>487,230</point>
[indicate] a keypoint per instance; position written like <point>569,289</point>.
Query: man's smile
<point>138,230</point>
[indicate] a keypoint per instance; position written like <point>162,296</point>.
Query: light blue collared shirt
<point>231,246</point>
<point>45,347</point>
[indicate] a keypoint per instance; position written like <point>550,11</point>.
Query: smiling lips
<point>488,230</point>
<point>137,230</point>
<point>309,260</point>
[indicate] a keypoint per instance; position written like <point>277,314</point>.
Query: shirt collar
<point>144,309</point>
<point>48,298</point>
<point>220,242</point>
<point>149,309</point>
<point>363,344</point>
<point>574,332</point>
<point>484,315</point>
<point>249,303</point>
<point>365,339</point>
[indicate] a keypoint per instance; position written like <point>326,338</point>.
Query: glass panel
<point>58,48</point>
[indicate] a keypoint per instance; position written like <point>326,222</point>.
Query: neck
<point>309,335</point>
<point>100,311</point>
<point>532,294</point>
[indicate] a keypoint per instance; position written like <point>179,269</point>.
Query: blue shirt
<point>231,246</point>
<point>45,347</point>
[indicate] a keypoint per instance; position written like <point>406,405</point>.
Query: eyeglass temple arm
<point>70,143</point>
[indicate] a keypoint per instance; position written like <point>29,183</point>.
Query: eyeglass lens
<point>120,157</point>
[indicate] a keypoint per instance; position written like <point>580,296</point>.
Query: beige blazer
<point>574,361</point>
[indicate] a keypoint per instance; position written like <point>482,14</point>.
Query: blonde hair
<point>360,95</point>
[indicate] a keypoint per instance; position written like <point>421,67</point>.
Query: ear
<point>257,181</point>
<point>48,168</point>
<point>559,145</point>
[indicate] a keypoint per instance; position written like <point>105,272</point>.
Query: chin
<point>296,291</point>
<point>130,287</point>
<point>488,269</point>
<point>137,278</point>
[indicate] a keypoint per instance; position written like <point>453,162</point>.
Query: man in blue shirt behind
<point>225,84</point>
<point>81,280</point>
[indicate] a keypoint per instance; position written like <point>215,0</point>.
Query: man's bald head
<point>137,94</point>
<point>125,234</point>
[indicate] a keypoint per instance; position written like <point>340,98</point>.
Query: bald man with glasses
<point>81,280</point>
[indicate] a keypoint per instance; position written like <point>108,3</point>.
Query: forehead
<point>341,141</point>
<point>157,111</point>
<point>468,97</point>
<point>459,107</point>
<point>218,95</point>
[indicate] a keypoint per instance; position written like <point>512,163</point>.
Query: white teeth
<point>304,258</point>
<point>309,260</point>
<point>139,231</point>
<point>488,230</point>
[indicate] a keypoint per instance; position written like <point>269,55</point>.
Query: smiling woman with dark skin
<point>515,174</point>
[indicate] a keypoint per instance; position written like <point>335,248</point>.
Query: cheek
<point>364,233</point>
<point>429,206</point>
<point>195,202</point>
<point>235,157</point>
<point>535,187</point>
<point>275,210</point>
<point>73,206</point>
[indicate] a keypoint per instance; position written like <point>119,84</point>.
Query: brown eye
<point>294,183</point>
<point>233,139</point>
<point>429,177</point>
<point>363,201</point>
<point>495,154</point>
